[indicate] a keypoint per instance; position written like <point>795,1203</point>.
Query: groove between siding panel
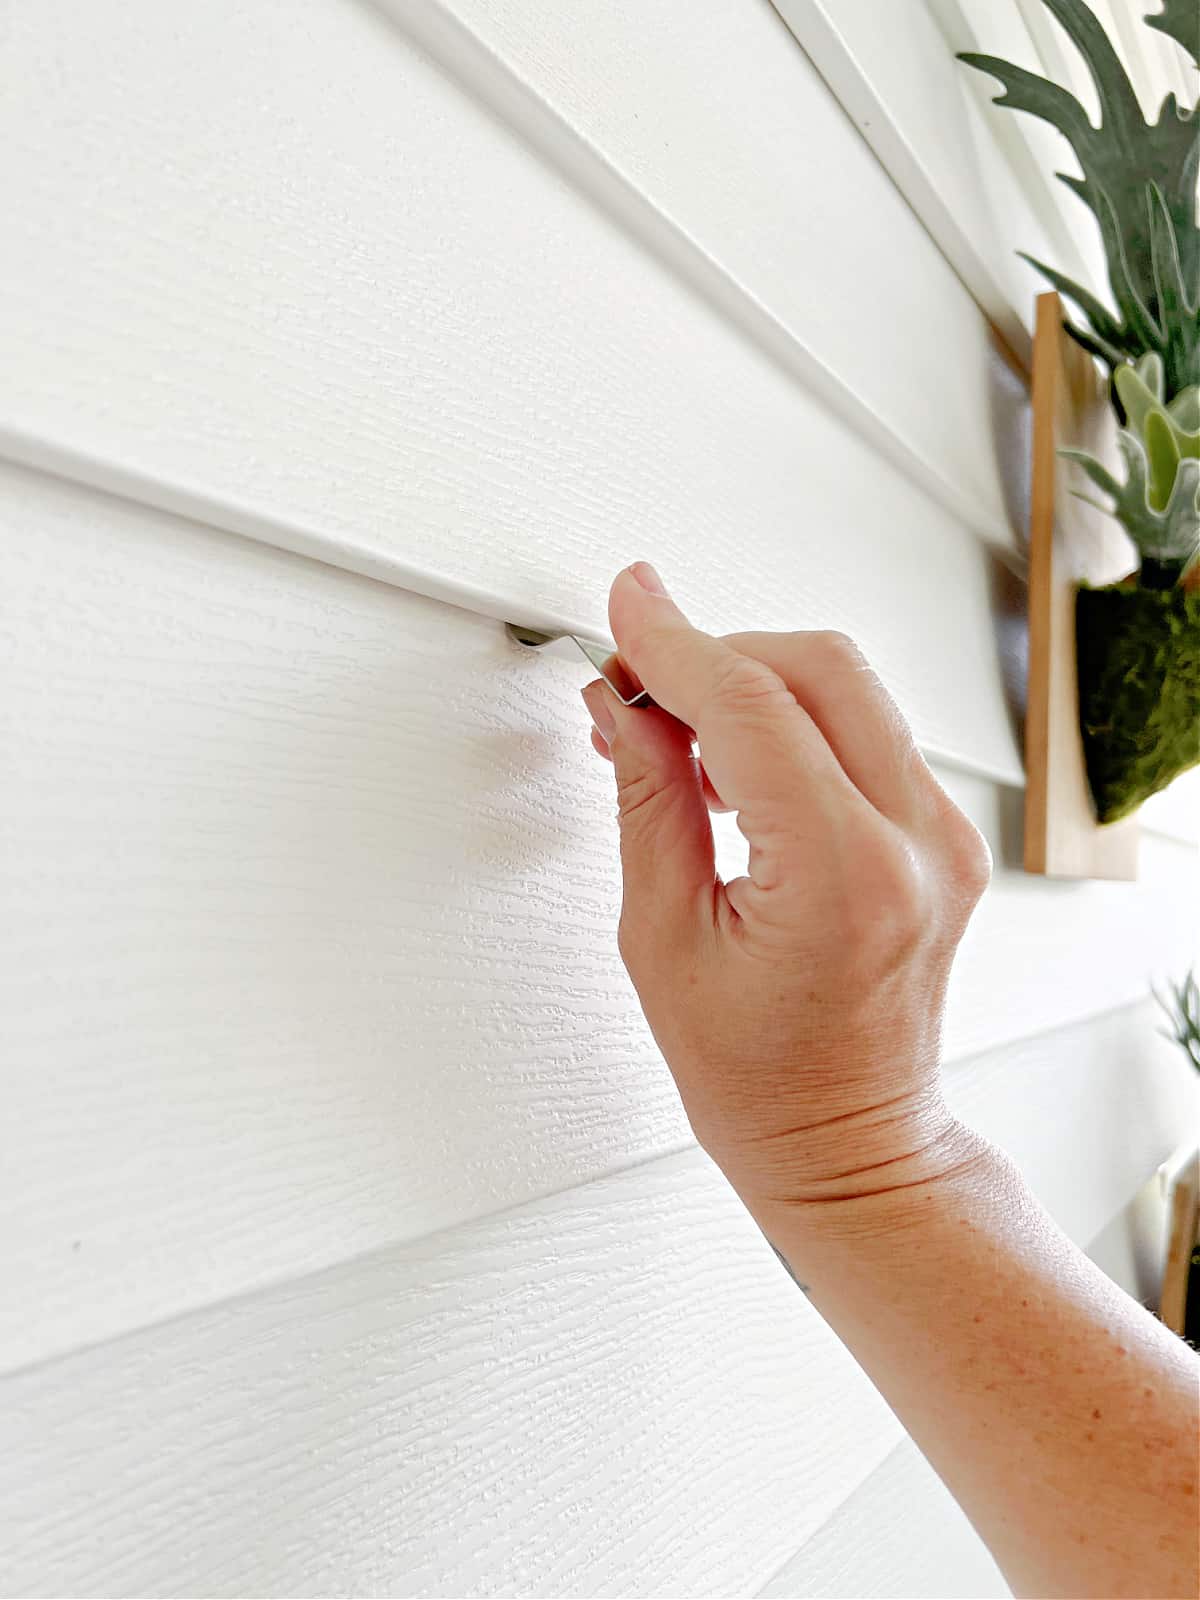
<point>311,921</point>
<point>1174,817</point>
<point>493,83</point>
<point>615,1391</point>
<point>56,282</point>
<point>331,352</point>
<point>834,40</point>
<point>900,1534</point>
<point>610,1391</point>
<point>1033,151</point>
<point>345,553</point>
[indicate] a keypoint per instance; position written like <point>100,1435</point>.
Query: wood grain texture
<point>311,890</point>
<point>899,1535</point>
<point>614,1391</point>
<point>610,1391</point>
<point>1071,541</point>
<point>798,237</point>
<point>302,326</point>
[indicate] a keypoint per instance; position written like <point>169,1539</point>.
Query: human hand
<point>799,1008</point>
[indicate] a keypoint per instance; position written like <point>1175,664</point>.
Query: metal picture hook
<point>601,656</point>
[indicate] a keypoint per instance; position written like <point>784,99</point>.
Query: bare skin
<point>799,1009</point>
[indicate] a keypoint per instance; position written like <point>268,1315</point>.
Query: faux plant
<point>1157,504</point>
<point>1138,641</point>
<point>1182,1009</point>
<point>1139,179</point>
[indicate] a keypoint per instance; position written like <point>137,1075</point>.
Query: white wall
<point>354,1241</point>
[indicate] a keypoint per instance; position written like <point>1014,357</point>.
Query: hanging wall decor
<point>1136,647</point>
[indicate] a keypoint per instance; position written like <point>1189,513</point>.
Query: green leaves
<point>1162,457</point>
<point>1182,1008</point>
<point>1026,91</point>
<point>1178,20</point>
<point>1158,505</point>
<point>1140,390</point>
<point>1167,536</point>
<point>1139,179</point>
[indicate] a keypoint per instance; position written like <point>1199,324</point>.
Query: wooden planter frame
<point>1069,540</point>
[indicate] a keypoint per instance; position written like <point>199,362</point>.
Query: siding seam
<point>497,88</point>
<point>682,1156</point>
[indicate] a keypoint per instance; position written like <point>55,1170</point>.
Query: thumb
<point>667,862</point>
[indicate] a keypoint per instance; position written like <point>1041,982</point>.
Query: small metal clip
<point>601,656</point>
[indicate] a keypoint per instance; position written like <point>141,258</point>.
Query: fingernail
<point>648,578</point>
<point>595,698</point>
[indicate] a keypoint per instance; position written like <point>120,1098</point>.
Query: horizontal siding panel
<point>1033,150</point>
<point>716,120</point>
<point>612,95</point>
<point>894,73</point>
<point>367,317</point>
<point>1176,811</point>
<point>1049,951</point>
<point>900,1534</point>
<point>312,889</point>
<point>610,1391</point>
<point>1087,1112</point>
<point>616,1391</point>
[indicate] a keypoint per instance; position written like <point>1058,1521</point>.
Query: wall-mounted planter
<point>1139,691</point>
<point>1070,542</point>
<point>1113,710</point>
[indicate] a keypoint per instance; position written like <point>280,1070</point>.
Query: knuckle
<point>890,909</point>
<point>964,853</point>
<point>902,884</point>
<point>970,859</point>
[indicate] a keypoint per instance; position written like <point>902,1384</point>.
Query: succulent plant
<point>1159,503</point>
<point>1139,178</point>
<point>1169,432</point>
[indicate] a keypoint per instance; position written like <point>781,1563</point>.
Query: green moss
<point>1139,691</point>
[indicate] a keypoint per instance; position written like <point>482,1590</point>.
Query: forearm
<point>800,1010</point>
<point>1061,1415</point>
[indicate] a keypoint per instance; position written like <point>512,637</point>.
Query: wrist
<point>882,1184</point>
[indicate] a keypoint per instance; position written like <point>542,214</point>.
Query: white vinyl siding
<point>354,1240</point>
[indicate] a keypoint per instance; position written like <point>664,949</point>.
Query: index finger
<point>759,746</point>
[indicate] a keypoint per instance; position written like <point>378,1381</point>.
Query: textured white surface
<point>899,1536</point>
<point>1086,1112</point>
<point>312,892</point>
<point>614,1391</point>
<point>309,911</point>
<point>757,192</point>
<point>1033,150</point>
<point>1177,809</point>
<point>362,306</point>
<point>610,1391</point>
<point>894,75</point>
<point>353,1239</point>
